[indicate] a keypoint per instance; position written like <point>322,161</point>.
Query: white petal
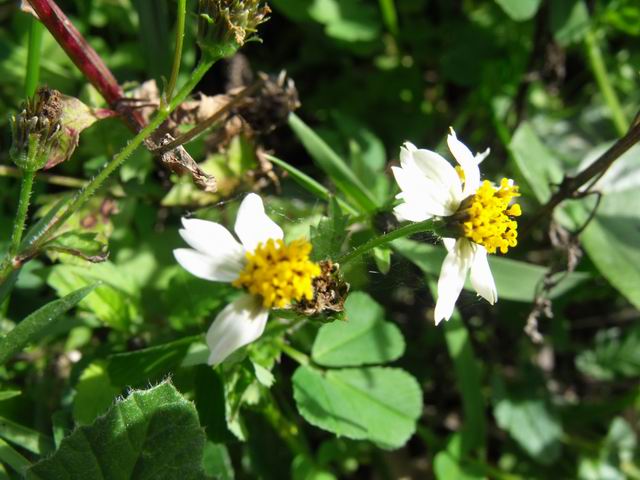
<point>413,212</point>
<point>449,243</point>
<point>211,239</point>
<point>452,276</point>
<point>481,277</point>
<point>417,189</point>
<point>252,224</point>
<point>439,170</point>
<point>481,156</point>
<point>238,324</point>
<point>468,163</point>
<point>217,269</point>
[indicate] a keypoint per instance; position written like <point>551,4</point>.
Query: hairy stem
<point>410,229</point>
<point>23,208</point>
<point>83,195</point>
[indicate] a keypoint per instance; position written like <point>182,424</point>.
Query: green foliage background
<point>548,85</point>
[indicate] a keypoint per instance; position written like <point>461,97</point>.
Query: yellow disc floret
<point>487,218</point>
<point>280,274</point>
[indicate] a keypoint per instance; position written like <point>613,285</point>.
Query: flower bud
<point>225,25</point>
<point>36,131</point>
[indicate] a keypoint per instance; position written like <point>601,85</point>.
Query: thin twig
<point>570,185</point>
<point>216,117</point>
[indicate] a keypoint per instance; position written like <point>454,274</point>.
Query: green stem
<point>177,56</point>
<point>294,354</point>
<point>83,195</point>
<point>599,68</point>
<point>410,229</point>
<point>23,208</point>
<point>389,14</point>
<point>36,30</point>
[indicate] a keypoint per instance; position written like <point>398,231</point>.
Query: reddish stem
<point>79,50</point>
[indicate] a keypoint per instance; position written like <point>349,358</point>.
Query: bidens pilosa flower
<point>272,273</point>
<point>478,212</point>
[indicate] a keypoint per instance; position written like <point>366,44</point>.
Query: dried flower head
<point>36,131</point>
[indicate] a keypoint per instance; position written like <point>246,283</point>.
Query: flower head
<point>225,25</point>
<point>272,273</point>
<point>480,215</point>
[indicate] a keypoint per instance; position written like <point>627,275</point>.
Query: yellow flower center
<point>487,218</point>
<point>279,273</point>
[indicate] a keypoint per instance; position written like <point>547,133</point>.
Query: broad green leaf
<point>615,354</point>
<point>364,338</point>
<point>382,257</point>
<point>217,462</point>
<point>519,10</point>
<point>94,393</point>
<point>141,366</point>
<point>429,259</point>
<point>569,20</point>
<point>153,434</point>
<point>115,301</point>
<point>609,238</point>
<point>537,164</point>
<point>329,235</point>
<point>29,329</point>
<point>25,437</point>
<point>377,404</point>
<point>332,164</point>
<point>532,424</point>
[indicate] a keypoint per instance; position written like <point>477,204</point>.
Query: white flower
<point>274,274</point>
<point>431,187</point>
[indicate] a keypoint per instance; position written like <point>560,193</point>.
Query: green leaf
<point>615,355</point>
<point>469,381</point>
<point>429,259</point>
<point>519,10</point>
<point>7,394</point>
<point>332,165</point>
<point>13,458</point>
<point>303,468</point>
<point>80,244</point>
<point>94,393</point>
<point>569,21</point>
<point>115,301</point>
<point>210,402</point>
<point>25,437</point>
<point>537,164</point>
<point>329,235</point>
<point>217,462</point>
<point>364,338</point>
<point>377,404</point>
<point>28,329</point>
<point>153,434</point>
<point>310,185</point>
<point>532,424</point>
<point>141,366</point>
